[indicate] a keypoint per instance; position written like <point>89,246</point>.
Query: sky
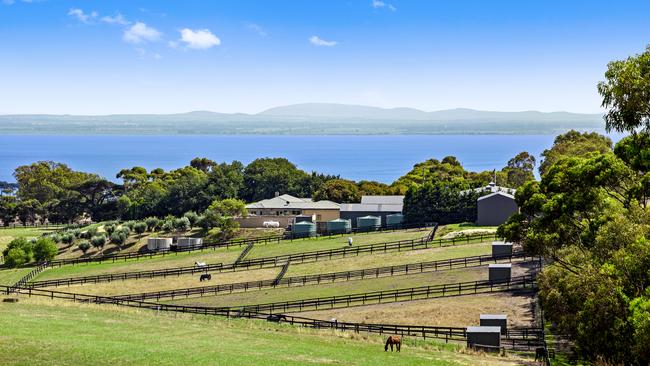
<point>130,56</point>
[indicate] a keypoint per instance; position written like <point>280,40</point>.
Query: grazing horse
<point>541,353</point>
<point>276,318</point>
<point>393,340</point>
<point>205,277</point>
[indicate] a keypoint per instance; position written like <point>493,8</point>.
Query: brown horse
<point>393,340</point>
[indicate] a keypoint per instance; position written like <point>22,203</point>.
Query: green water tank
<point>339,226</point>
<point>368,223</point>
<point>393,220</point>
<point>303,229</point>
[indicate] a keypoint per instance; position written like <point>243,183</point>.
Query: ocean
<point>382,158</point>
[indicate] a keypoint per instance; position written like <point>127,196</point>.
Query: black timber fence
<point>268,262</point>
<point>378,297</point>
<point>315,279</point>
<point>519,338</point>
<point>216,245</point>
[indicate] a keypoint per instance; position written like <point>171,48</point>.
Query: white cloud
<point>378,4</point>
<point>81,15</point>
<point>200,39</point>
<point>117,19</point>
<point>140,32</point>
<point>257,29</point>
<point>317,41</point>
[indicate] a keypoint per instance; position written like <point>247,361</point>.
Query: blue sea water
<point>381,158</point>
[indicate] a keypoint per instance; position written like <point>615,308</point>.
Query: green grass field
<point>338,288</point>
<point>339,241</point>
<point>11,276</point>
<point>46,332</point>
<point>7,235</point>
<point>225,255</point>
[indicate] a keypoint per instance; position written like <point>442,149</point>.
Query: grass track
<point>58,333</point>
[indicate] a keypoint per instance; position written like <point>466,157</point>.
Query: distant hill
<point>308,119</point>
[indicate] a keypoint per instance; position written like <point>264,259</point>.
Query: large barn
<point>495,208</point>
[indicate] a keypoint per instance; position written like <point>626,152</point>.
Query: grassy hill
<point>44,332</point>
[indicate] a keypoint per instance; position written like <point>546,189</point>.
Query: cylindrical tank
<point>164,244</point>
<point>154,244</point>
<point>393,220</point>
<point>339,226</point>
<point>303,229</point>
<point>304,218</point>
<point>368,223</point>
<point>189,243</point>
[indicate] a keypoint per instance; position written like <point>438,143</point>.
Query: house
<point>495,208</point>
<point>285,208</point>
<point>380,206</point>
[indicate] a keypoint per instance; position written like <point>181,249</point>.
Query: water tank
<point>189,243</point>
<point>368,223</point>
<point>393,220</point>
<point>304,218</point>
<point>303,229</point>
<point>339,226</point>
<point>154,244</point>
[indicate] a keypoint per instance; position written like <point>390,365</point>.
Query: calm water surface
<point>381,158</point>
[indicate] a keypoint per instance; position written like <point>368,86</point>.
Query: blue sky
<point>101,57</point>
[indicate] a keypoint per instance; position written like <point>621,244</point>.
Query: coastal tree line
<point>52,191</point>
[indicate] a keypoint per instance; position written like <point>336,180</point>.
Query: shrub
<point>55,237</point>
<point>193,217</point>
<point>152,223</point>
<point>182,224</point>
<point>168,225</point>
<point>98,241</point>
<point>20,243</point>
<point>125,229</point>
<point>129,224</point>
<point>140,227</point>
<point>45,249</point>
<point>16,257</point>
<point>90,233</point>
<point>118,237</point>
<point>67,238</point>
<point>109,228</point>
<point>84,246</point>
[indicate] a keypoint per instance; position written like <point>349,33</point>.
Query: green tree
<point>626,94</point>
<point>18,252</point>
<point>338,190</point>
<point>264,177</point>
<point>84,246</point>
<point>441,203</point>
<point>520,169</point>
<point>573,144</point>
<point>45,249</point>
<point>140,228</point>
<point>152,223</point>
<point>98,241</point>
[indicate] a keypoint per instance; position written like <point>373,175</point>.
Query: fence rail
<point>387,271</point>
<point>268,262</point>
<point>213,246</point>
<point>516,338</point>
<point>377,297</point>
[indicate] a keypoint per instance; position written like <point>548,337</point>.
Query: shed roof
<point>288,202</point>
<point>484,329</point>
<point>383,200</point>
<point>496,194</point>
<point>369,207</point>
<point>493,316</point>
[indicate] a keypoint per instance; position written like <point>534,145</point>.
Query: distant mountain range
<point>310,119</point>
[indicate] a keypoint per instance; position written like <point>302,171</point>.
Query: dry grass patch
<point>449,311</point>
<point>167,283</point>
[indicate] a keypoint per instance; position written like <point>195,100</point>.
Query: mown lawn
<point>11,276</point>
<point>181,259</point>
<point>9,234</point>
<point>389,259</point>
<point>340,241</point>
<point>45,332</point>
<point>224,255</point>
<point>339,288</point>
